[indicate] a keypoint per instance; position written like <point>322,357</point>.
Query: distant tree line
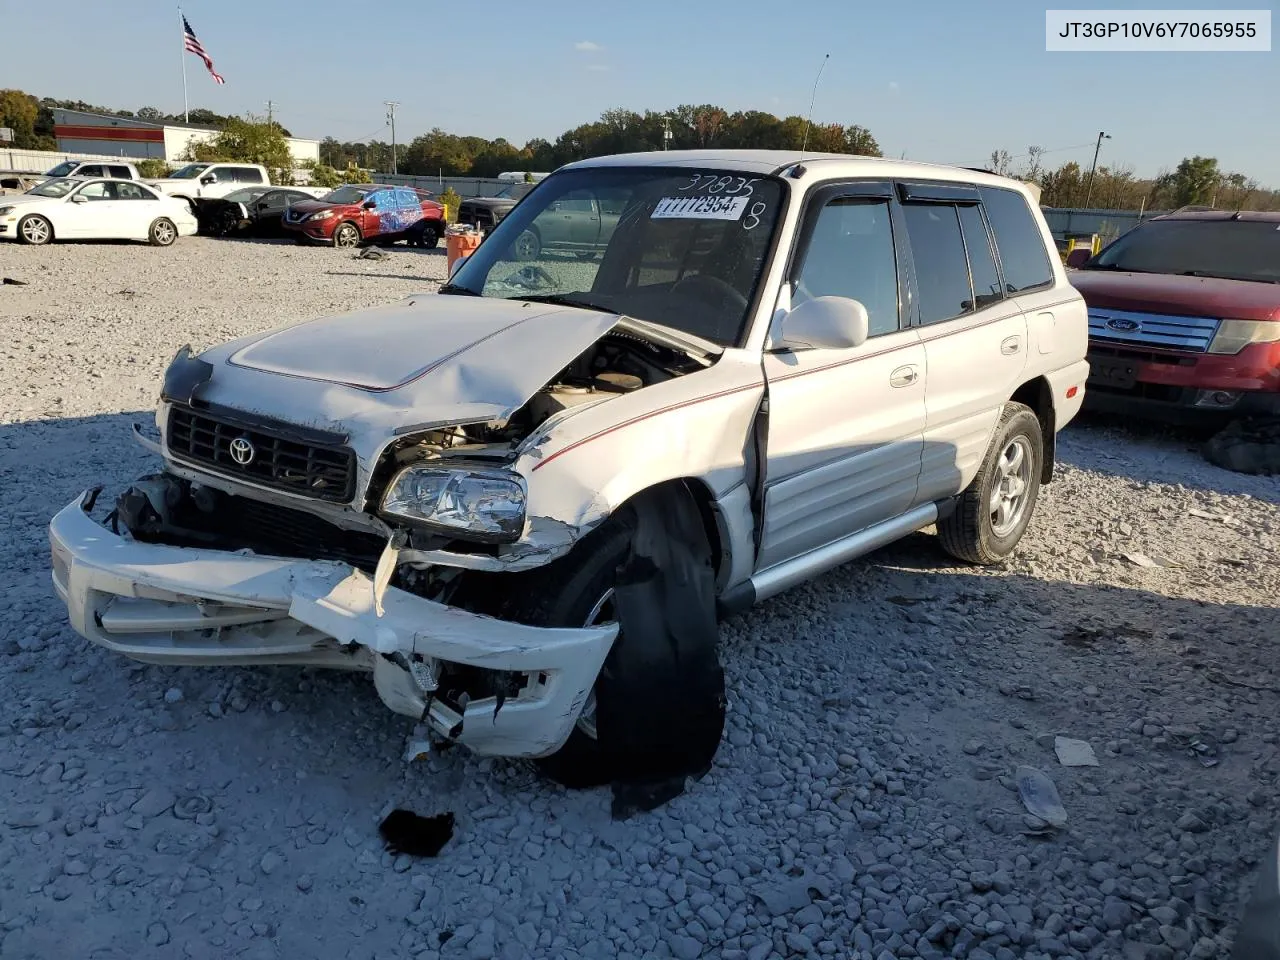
<point>1195,181</point>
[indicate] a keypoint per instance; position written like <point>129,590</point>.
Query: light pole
<point>666,132</point>
<point>1088,194</point>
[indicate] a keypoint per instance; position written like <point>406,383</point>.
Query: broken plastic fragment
<point>1074,753</point>
<point>417,750</point>
<point>1040,796</point>
<point>386,568</point>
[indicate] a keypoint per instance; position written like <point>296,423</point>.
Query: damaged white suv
<point>523,501</point>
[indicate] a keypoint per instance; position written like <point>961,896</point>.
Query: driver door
<point>88,219</point>
<point>846,426</point>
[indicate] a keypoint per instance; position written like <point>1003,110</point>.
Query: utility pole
<point>1088,194</point>
<point>270,110</point>
<point>666,133</point>
<point>391,119</point>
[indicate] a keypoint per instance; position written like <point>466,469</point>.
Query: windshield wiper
<point>563,299</point>
<point>454,288</point>
<point>1226,276</point>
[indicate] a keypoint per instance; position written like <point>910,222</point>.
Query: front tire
<point>35,230</point>
<point>657,708</point>
<point>162,232</point>
<point>994,510</point>
<point>346,235</point>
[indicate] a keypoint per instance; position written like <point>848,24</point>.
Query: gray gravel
<point>862,806</point>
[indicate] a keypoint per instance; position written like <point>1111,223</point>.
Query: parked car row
<point>107,201</point>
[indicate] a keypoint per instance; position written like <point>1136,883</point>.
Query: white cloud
<point>587,46</point>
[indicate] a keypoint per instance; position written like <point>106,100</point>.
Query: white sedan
<point>93,208</point>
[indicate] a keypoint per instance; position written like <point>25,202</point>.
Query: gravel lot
<point>862,805</point>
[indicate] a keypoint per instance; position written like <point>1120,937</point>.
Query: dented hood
<point>429,359</point>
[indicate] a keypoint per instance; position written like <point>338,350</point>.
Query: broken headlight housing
<point>484,505</point>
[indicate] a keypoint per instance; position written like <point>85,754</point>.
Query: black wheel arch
<point>1038,395</point>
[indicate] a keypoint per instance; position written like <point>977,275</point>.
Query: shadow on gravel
<point>1154,453</point>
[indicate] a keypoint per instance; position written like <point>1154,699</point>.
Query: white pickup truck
<point>114,169</point>
<point>521,502</point>
<point>197,180</point>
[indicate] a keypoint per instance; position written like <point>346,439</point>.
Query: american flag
<point>194,46</point>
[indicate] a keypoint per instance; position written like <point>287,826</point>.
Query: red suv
<point>1184,317</point>
<point>357,212</point>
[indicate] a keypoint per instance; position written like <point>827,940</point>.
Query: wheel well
<point>711,522</point>
<point>1038,395</point>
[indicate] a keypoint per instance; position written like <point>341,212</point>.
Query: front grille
<point>1143,356</point>
<point>475,216</point>
<point>279,531</point>
<point>321,471</point>
<point>1152,329</point>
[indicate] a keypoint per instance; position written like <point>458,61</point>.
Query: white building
<point>96,133</point>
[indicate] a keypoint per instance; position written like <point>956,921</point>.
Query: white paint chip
<point>1074,753</point>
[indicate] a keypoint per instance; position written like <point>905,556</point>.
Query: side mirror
<point>832,323</point>
<point>209,178</point>
<point>370,205</point>
<point>79,198</point>
<point>1079,257</point>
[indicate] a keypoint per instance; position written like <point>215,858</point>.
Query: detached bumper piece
<point>167,604</point>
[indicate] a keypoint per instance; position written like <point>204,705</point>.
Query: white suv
<point>522,503</point>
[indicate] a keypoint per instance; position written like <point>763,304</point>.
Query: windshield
<point>190,171</point>
<point>245,195</point>
<point>347,194</point>
<point>63,169</point>
<point>1234,249</point>
<point>680,248</point>
<point>54,188</point>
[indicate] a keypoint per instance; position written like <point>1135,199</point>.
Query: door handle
<point>904,376</point>
<point>1010,346</point>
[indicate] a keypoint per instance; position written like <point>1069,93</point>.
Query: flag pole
<point>186,111</point>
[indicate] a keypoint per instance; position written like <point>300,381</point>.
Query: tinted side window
<point>1018,238</point>
<point>120,173</point>
<point>850,254</point>
<point>941,268</point>
<point>982,263</point>
<point>89,171</point>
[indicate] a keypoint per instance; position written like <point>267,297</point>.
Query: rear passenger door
<point>845,425</point>
<point>974,335</point>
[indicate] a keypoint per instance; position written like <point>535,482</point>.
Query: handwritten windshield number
<point>752,219</point>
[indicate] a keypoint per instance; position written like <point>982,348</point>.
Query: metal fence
<point>463,186</point>
<point>38,161</point>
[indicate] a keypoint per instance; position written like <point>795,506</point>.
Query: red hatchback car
<point>354,213</point>
<point>1184,317</point>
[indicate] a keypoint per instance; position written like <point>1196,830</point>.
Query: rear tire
<point>428,238</point>
<point>162,232</point>
<point>994,510</point>
<point>35,230</point>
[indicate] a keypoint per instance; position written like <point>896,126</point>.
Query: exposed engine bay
<point>618,363</point>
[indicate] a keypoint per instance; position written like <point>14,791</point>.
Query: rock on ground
<point>863,801</point>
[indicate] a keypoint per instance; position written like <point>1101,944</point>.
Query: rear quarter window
<point>1018,240</point>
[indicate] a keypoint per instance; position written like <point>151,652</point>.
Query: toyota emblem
<point>242,451</point>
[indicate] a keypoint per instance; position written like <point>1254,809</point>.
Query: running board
<point>787,574</point>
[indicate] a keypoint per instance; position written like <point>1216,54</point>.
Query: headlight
<point>482,505</point>
<point>5,210</point>
<point>1234,335</point>
<point>322,215</point>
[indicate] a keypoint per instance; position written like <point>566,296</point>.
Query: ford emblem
<point>1123,324</point>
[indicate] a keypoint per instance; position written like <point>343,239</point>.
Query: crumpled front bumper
<point>180,605</point>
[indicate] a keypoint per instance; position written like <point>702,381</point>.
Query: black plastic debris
<point>665,657</point>
<point>404,831</point>
<point>10,282</point>
<point>372,253</point>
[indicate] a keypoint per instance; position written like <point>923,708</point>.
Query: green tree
<point>152,168</point>
<point>20,111</point>
<point>1195,180</point>
<point>249,141</point>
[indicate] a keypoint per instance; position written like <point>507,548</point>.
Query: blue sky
<point>939,80</point>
